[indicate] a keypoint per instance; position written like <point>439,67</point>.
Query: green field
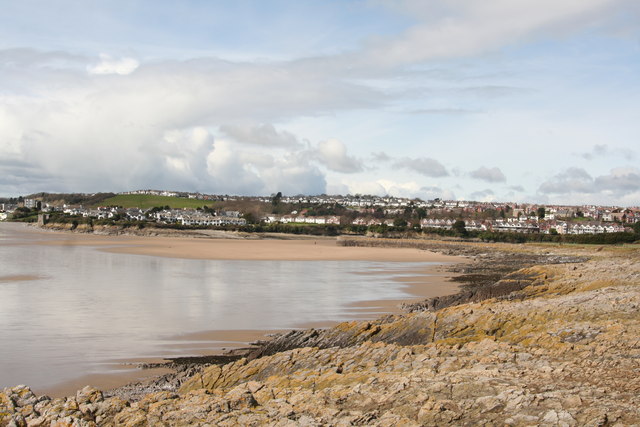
<point>144,201</point>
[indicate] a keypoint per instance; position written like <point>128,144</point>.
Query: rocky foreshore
<point>553,341</point>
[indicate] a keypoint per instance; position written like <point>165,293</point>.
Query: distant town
<point>351,212</point>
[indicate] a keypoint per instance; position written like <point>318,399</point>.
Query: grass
<point>146,201</point>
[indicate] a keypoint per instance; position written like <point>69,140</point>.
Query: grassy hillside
<point>58,199</point>
<point>145,201</point>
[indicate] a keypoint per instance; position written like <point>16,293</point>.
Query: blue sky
<point>503,100</point>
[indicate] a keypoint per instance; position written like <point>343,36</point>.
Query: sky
<point>498,100</point>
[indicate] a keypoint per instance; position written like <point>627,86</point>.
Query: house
<point>230,214</point>
<point>270,219</point>
<point>30,203</point>
<point>333,220</point>
<point>475,225</point>
<point>516,226</point>
<point>198,219</point>
<point>436,223</point>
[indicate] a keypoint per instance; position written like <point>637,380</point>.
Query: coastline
<point>521,343</point>
<point>419,284</point>
<point>229,249</point>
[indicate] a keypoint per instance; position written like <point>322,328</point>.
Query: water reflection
<point>87,306</point>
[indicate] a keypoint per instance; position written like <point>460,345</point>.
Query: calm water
<point>87,308</point>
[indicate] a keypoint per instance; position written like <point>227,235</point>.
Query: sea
<point>68,311</point>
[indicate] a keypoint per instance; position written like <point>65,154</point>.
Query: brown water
<point>70,311</point>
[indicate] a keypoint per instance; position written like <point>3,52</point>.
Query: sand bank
<point>322,249</point>
<point>19,278</point>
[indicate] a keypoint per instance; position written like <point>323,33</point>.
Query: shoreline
<point>418,283</point>
<point>228,246</point>
<point>521,344</point>
<point>423,283</point>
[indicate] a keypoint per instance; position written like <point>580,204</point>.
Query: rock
<point>89,395</point>
<point>240,397</point>
<point>551,417</point>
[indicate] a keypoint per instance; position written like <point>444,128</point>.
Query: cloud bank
<point>488,175</point>
<point>379,103</point>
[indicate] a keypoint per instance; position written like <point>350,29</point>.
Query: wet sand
<point>246,249</point>
<point>19,278</point>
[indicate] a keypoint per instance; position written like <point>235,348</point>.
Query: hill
<point>58,199</point>
<point>146,201</point>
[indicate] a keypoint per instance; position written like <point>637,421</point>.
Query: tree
<point>399,222</point>
<point>250,218</point>
<point>460,228</point>
<point>275,200</point>
<point>541,212</point>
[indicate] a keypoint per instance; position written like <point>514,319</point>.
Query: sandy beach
<point>198,247</point>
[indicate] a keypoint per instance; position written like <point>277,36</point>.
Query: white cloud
<point>78,123</point>
<point>228,171</point>
<point>264,135</point>
<point>598,150</point>
<point>435,192</point>
<point>185,154</point>
<point>574,185</point>
<point>409,189</point>
<point>293,174</point>
<point>109,65</point>
<point>486,195</point>
<point>488,175</point>
<point>384,187</point>
<point>619,180</point>
<point>469,27</point>
<point>332,153</point>
<point>145,129</point>
<point>364,187</point>
<point>234,170</point>
<point>569,181</point>
<point>380,157</point>
<point>423,165</point>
